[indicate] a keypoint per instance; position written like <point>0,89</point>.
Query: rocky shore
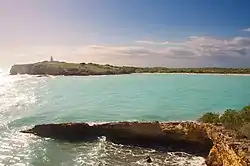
<point>84,69</point>
<point>219,146</point>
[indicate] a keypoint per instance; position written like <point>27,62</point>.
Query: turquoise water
<point>29,100</point>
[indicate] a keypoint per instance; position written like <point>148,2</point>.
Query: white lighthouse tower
<point>51,59</point>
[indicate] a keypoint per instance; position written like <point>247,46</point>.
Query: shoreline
<point>84,69</point>
<point>212,74</point>
<point>230,74</point>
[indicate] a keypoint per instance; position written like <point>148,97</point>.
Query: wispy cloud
<point>246,30</point>
<point>150,42</point>
<point>144,42</point>
<point>193,52</point>
<point>203,50</point>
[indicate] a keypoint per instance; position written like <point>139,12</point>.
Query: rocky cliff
<point>221,147</point>
<point>63,68</point>
<point>21,69</point>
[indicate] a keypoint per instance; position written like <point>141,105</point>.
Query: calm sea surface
<point>29,100</point>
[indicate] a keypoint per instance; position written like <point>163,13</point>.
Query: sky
<point>171,33</point>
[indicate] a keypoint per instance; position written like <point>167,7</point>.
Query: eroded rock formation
<point>221,147</point>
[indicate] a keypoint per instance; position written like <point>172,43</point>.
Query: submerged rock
<point>148,159</point>
<point>221,147</point>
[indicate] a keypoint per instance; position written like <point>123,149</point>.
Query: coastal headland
<point>85,69</point>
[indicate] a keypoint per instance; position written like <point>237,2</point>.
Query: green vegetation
<point>238,120</point>
<point>210,117</point>
<point>193,70</point>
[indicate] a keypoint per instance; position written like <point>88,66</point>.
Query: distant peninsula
<point>85,69</point>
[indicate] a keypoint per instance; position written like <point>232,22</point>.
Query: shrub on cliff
<point>245,113</point>
<point>210,117</point>
<point>231,119</point>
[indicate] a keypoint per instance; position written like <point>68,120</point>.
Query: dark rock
<point>148,159</point>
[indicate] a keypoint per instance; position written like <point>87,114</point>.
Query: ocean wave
<point>107,153</point>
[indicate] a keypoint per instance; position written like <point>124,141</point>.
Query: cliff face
<point>62,68</point>
<point>220,146</point>
<point>21,69</point>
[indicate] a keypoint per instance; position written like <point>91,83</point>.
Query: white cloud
<point>193,52</point>
<point>205,46</point>
<point>247,29</point>
<point>144,42</point>
<point>150,42</point>
<point>166,42</point>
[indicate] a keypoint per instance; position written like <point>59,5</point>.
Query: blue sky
<point>175,33</point>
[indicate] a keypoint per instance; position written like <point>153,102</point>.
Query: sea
<point>27,100</point>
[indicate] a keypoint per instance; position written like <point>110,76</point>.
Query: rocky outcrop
<point>67,69</point>
<point>221,147</point>
<point>21,69</point>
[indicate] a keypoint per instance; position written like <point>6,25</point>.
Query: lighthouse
<point>51,59</point>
